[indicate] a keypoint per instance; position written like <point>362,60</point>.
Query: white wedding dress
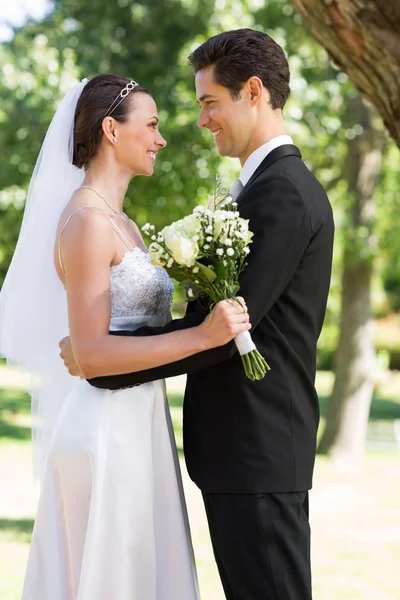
<point>111,521</point>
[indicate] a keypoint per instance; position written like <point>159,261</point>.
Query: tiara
<point>123,93</point>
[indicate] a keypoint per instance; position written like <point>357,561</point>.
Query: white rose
<point>184,250</point>
<point>191,224</point>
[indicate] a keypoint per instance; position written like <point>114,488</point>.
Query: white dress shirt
<point>255,159</point>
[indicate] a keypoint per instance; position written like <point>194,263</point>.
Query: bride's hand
<point>227,319</point>
<point>68,357</point>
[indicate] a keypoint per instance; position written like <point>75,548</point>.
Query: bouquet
<point>206,252</point>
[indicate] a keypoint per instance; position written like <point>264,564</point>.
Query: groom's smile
<point>216,133</point>
<point>230,119</point>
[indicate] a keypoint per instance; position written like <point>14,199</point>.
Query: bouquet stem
<point>255,366</point>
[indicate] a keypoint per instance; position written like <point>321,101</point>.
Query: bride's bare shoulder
<point>83,204</point>
<point>80,198</point>
<point>84,233</point>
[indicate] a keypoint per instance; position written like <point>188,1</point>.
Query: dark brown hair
<point>243,53</point>
<point>96,98</point>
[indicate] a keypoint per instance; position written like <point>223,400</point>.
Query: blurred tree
<point>29,89</point>
<point>389,230</point>
<point>355,366</point>
<point>363,39</point>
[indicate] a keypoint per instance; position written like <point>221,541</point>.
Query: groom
<point>250,446</point>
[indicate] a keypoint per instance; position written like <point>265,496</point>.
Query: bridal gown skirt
<point>111,521</point>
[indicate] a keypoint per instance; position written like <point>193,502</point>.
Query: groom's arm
<point>195,316</point>
<point>282,232</point>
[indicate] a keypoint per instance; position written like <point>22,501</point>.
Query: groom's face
<point>228,119</point>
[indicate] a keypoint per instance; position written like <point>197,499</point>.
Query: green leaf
<point>221,271</point>
<point>178,275</point>
<point>209,273</point>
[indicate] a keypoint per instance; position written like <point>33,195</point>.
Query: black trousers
<point>261,544</point>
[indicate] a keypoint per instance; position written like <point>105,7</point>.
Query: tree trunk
<point>349,404</point>
<point>363,39</point>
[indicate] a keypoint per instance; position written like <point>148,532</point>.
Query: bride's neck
<point>109,182</point>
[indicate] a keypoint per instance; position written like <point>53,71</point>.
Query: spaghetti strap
<point>121,235</point>
<point>62,231</point>
<point>115,227</point>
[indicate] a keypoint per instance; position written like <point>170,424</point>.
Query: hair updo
<point>96,98</point>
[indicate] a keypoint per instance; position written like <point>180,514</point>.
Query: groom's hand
<point>68,357</point>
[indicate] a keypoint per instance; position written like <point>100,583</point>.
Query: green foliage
<point>388,230</point>
<point>387,339</point>
<point>13,402</point>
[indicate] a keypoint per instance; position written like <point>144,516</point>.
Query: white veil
<point>33,307</point>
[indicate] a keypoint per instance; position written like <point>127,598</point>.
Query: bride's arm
<point>87,251</point>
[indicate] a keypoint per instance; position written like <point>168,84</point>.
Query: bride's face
<point>138,140</point>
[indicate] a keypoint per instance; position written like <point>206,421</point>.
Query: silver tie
<point>236,189</point>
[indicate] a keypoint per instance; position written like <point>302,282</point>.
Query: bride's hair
<point>97,96</point>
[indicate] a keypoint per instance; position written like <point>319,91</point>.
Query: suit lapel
<point>277,154</point>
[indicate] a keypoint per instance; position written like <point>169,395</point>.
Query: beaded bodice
<point>138,287</point>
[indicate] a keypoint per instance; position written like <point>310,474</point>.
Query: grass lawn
<point>355,515</point>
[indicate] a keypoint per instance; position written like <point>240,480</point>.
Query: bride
<point>111,521</point>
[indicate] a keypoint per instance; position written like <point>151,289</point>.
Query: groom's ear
<point>255,89</point>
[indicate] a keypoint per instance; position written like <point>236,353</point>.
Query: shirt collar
<point>255,159</point>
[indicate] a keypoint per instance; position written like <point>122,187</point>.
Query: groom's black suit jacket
<point>257,437</point>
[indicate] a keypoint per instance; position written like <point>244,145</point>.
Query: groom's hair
<point>243,53</point>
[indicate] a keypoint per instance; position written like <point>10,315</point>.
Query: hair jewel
<point>123,93</point>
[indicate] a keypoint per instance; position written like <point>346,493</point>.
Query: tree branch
<point>363,39</point>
